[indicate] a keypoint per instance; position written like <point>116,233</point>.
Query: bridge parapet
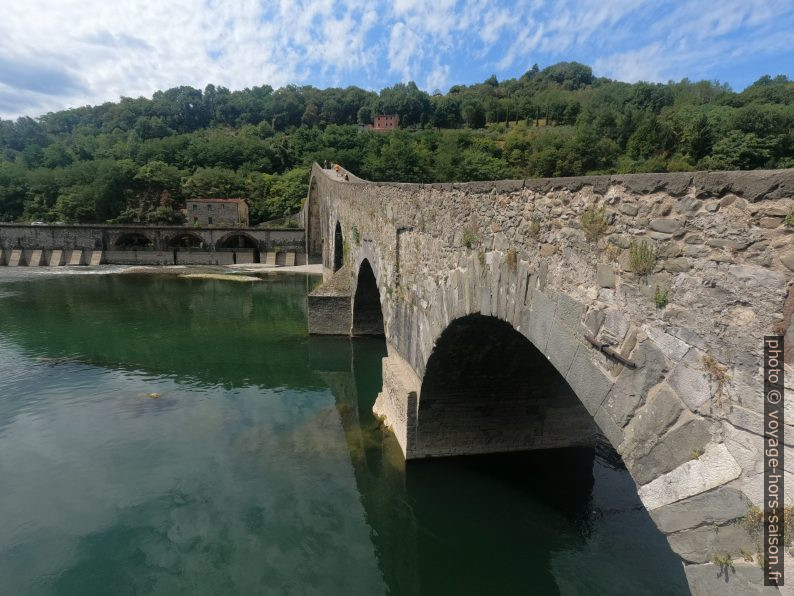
<point>680,274</point>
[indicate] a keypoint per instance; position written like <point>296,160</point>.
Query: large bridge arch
<point>478,329</point>
<point>488,389</point>
<point>685,412</point>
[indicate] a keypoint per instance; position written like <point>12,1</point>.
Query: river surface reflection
<point>182,436</point>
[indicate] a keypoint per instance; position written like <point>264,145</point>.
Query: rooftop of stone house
<point>209,200</point>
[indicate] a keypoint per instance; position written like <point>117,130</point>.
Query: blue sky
<point>56,54</point>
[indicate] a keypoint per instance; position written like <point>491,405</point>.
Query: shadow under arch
<point>185,240</point>
<point>489,393</point>
<point>488,389</point>
<point>338,247</point>
<point>133,240</point>
<point>236,240</point>
<point>367,313</point>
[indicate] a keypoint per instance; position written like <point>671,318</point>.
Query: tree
<point>273,196</point>
<point>13,190</point>
<point>400,159</point>
<point>364,115</point>
<point>56,156</point>
<point>213,182</point>
<point>698,138</point>
<point>477,165</point>
<point>76,205</point>
<point>740,151</point>
<point>446,112</point>
<point>473,113</point>
<point>649,138</point>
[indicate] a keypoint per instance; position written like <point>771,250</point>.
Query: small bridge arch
<point>338,247</point>
<point>185,240</point>
<point>236,239</point>
<point>367,310</point>
<point>133,240</point>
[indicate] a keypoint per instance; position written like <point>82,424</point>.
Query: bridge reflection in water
<point>561,521</point>
<point>245,388</point>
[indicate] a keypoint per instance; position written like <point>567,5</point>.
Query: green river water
<point>259,469</point>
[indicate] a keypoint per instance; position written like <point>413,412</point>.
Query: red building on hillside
<point>386,122</point>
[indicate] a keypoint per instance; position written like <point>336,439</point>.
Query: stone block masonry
<point>685,276</point>
<point>330,308</point>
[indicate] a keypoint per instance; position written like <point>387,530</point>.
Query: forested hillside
<point>139,159</point>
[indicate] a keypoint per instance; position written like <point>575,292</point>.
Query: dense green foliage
<point>139,159</point>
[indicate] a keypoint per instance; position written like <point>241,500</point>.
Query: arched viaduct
<point>123,244</point>
<point>486,291</point>
<point>119,237</point>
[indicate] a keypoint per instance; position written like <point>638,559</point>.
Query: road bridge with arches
<point>123,244</point>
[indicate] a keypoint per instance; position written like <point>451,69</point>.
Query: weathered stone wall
<point>329,306</point>
<point>687,419</point>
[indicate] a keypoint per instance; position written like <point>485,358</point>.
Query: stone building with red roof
<point>216,212</point>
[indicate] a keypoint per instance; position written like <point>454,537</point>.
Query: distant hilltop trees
<point>138,160</point>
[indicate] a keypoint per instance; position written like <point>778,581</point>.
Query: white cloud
<point>646,64</point>
<point>438,77</point>
<point>695,39</point>
<point>405,51</point>
<point>61,53</point>
<point>134,48</point>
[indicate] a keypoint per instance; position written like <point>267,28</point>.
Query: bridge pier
<point>398,400</point>
<point>330,307</point>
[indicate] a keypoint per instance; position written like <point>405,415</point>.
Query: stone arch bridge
<point>550,313</point>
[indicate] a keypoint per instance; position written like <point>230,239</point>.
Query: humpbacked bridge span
<point>647,296</point>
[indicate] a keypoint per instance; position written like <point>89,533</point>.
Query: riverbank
<point>227,271</point>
